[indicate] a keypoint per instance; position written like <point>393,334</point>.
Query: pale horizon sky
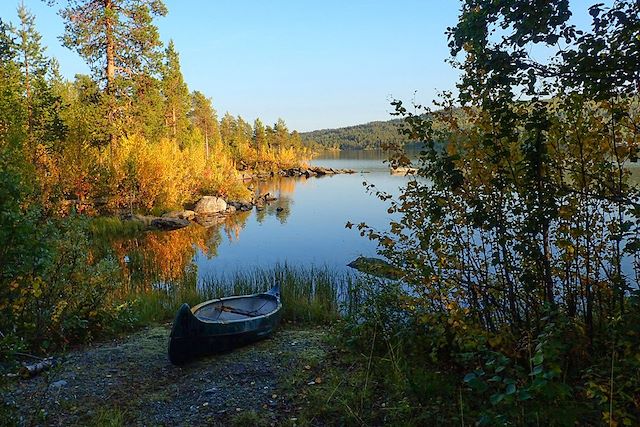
<point>317,65</point>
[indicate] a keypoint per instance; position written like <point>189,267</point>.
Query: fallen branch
<point>28,371</point>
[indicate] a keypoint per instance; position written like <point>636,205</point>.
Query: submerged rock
<point>376,267</point>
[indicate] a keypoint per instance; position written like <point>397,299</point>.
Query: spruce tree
<point>177,100</point>
<point>204,118</point>
<point>31,57</point>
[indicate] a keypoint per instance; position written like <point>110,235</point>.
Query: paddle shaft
<point>238,311</point>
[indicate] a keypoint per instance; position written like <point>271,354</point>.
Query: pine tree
<point>147,108</point>
<point>228,130</point>
<point>118,40</point>
<point>281,134</point>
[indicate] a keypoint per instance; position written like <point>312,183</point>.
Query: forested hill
<point>364,136</point>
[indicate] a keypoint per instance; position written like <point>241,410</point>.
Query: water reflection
<point>304,225</point>
<point>282,188</point>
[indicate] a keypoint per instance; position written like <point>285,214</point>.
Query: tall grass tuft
<point>309,295</point>
<point>111,226</point>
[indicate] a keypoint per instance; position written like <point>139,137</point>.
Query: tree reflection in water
<point>166,259</point>
<point>282,188</point>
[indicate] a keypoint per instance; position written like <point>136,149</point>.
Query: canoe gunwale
<point>195,308</point>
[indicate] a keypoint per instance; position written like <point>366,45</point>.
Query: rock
<point>169,223</point>
<point>187,214</point>
<point>264,198</point>
<point>210,205</point>
<point>403,171</point>
<point>59,384</point>
<point>209,220</point>
<point>320,171</point>
<point>241,206</point>
<point>376,267</point>
<point>144,219</point>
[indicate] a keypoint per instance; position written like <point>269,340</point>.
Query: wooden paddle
<point>238,311</point>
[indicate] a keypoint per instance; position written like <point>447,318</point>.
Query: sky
<point>316,64</point>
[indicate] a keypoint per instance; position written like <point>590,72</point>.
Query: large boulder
<point>210,205</point>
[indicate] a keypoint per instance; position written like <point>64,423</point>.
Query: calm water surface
<point>306,224</point>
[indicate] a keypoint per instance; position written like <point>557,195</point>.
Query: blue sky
<point>316,64</point>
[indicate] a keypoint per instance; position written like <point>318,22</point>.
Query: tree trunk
<point>110,45</point>
<point>173,121</point>
<point>27,86</point>
<point>206,143</point>
<point>110,69</point>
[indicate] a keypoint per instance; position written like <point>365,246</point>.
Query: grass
<point>249,419</point>
<point>112,417</point>
<point>309,295</point>
<point>110,226</point>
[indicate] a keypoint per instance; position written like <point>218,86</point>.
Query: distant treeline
<point>370,135</point>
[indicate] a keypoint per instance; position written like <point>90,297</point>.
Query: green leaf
<point>469,377</point>
<point>511,388</point>
<point>538,358</point>
<point>539,382</point>
<point>478,385</point>
<point>496,398</point>
<point>524,395</point>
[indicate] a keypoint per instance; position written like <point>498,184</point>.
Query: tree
<point>31,57</point>
<point>117,39</point>
<point>44,125</point>
<point>259,139</point>
<point>281,134</point>
<point>176,93</point>
<point>527,209</point>
<point>204,117</point>
<point>12,115</point>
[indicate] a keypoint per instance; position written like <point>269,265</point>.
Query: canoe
<point>223,324</point>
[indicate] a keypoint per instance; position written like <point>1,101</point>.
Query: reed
<point>309,294</point>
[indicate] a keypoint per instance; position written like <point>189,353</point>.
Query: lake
<point>305,226</point>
